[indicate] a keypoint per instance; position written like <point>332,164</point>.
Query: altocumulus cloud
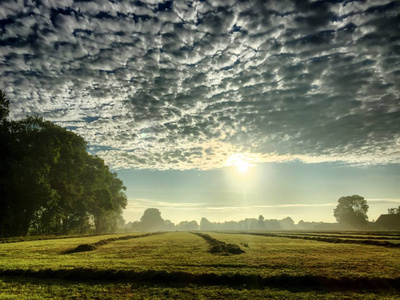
<point>184,84</point>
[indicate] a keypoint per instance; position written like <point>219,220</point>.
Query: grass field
<point>184,265</point>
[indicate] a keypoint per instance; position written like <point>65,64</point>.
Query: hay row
<point>219,247</point>
<point>329,239</point>
<point>94,246</point>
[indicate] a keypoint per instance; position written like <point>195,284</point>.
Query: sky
<point>219,109</point>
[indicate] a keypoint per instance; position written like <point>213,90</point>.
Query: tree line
<point>152,221</point>
<point>50,184</point>
<point>350,213</point>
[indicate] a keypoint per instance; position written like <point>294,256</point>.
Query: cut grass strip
<point>289,282</point>
<point>219,247</point>
<point>355,237</point>
<point>94,246</point>
<point>20,239</point>
<point>328,240</point>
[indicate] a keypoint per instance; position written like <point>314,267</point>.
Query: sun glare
<point>240,162</point>
<point>242,166</point>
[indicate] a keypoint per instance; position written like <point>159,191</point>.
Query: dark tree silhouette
<point>49,183</point>
<point>4,106</point>
<point>394,211</point>
<point>352,210</point>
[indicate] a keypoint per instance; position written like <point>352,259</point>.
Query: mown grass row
<point>19,239</point>
<point>290,282</point>
<point>219,247</point>
<point>335,240</point>
<point>94,246</point>
<point>344,236</point>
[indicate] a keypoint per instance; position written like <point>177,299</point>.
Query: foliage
<point>4,106</point>
<point>151,220</point>
<point>352,210</point>
<point>394,211</point>
<point>188,226</point>
<point>50,184</point>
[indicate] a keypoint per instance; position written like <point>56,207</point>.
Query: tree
<point>260,224</point>
<point>4,106</point>
<point>206,225</point>
<point>151,220</point>
<point>50,184</point>
<point>287,223</point>
<point>394,211</point>
<point>188,226</point>
<point>352,210</point>
<point>31,151</point>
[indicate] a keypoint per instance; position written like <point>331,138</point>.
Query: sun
<point>239,161</point>
<point>242,166</point>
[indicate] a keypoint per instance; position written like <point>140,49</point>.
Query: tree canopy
<point>352,210</point>
<point>394,211</point>
<point>49,183</point>
<point>152,220</point>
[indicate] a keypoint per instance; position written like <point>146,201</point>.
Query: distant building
<point>388,222</point>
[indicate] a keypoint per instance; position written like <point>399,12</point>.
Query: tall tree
<point>49,183</point>
<point>31,152</point>
<point>5,153</point>
<point>4,106</point>
<point>352,210</point>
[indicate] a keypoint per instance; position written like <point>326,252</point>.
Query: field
<point>209,265</point>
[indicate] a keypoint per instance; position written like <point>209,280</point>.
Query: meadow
<point>217,265</point>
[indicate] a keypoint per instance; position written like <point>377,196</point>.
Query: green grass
<point>181,266</point>
<point>18,289</point>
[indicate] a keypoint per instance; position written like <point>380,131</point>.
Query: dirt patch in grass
<point>219,247</point>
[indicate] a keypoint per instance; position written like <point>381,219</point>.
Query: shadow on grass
<point>288,282</point>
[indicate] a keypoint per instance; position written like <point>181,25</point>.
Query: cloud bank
<point>186,84</point>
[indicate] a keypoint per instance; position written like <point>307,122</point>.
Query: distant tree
<point>287,223</point>
<point>272,225</point>
<point>352,210</point>
<point>394,211</point>
<point>260,224</point>
<point>168,226</point>
<point>249,224</point>
<point>188,226</point>
<point>151,220</point>
<point>134,226</point>
<point>206,225</point>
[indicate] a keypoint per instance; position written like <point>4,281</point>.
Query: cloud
<point>385,201</point>
<point>255,207</point>
<point>182,85</point>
